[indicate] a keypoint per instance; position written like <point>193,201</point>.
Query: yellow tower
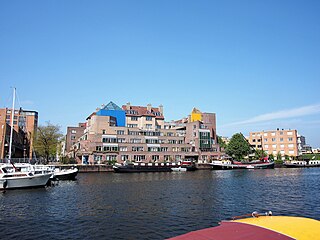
<point>196,115</point>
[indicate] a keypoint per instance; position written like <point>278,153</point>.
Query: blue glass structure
<point>113,110</point>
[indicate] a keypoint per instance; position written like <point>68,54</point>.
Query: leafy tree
<point>271,157</point>
<point>46,140</point>
<point>279,156</point>
<point>238,146</point>
<point>221,142</point>
<point>67,160</point>
<point>259,153</point>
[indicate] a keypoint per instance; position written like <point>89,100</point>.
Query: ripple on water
<point>154,205</point>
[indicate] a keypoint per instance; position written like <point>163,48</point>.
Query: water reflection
<point>154,205</point>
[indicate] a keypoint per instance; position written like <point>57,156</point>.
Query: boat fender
<point>255,214</point>
<point>5,183</point>
<point>269,213</point>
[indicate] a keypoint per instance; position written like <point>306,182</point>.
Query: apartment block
<point>25,125</point>
<point>72,136</point>
<point>140,134</point>
<point>277,141</point>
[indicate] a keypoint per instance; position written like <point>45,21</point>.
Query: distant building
<point>72,136</point>
<point>277,141</point>
<point>140,134</point>
<point>316,150</point>
<point>25,125</point>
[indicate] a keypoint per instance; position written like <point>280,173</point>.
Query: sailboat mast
<point>11,128</point>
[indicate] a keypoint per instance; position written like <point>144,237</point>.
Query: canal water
<point>154,205</point>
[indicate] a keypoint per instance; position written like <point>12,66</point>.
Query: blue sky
<point>256,64</point>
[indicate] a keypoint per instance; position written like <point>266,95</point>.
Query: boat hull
<point>288,165</point>
<point>66,175</point>
<point>33,181</point>
<point>136,169</point>
<point>242,166</point>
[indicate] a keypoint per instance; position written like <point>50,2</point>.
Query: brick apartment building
<point>25,125</point>
<point>140,134</point>
<point>285,142</point>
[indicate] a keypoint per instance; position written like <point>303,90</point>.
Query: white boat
<point>65,174</point>
<point>57,172</point>
<point>12,178</point>
<point>179,169</point>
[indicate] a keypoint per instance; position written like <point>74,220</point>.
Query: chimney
<point>149,107</point>
<point>128,106</point>
<point>161,109</point>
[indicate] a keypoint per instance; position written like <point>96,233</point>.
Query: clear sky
<point>255,63</point>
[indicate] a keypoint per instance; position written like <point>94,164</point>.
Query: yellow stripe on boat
<point>295,227</point>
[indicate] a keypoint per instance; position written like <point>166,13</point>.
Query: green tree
<point>271,157</point>
<point>221,142</point>
<point>279,156</point>
<point>238,147</point>
<point>259,153</point>
<point>46,140</point>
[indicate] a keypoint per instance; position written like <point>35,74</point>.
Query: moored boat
<point>57,172</point>
<point>259,226</point>
<point>230,164</point>
<point>133,167</point>
<point>65,174</point>
<point>302,163</point>
<point>144,167</point>
<point>13,178</point>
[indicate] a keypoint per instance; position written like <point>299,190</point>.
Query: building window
<point>120,132</point>
<point>153,149</point>
<point>273,139</point>
<point>73,131</point>
<point>103,131</point>
<point>124,157</point>
<point>109,140</point>
<point>137,149</point>
<point>135,140</point>
<point>290,139</point>
<point>281,139</point>
<point>155,157</point>
<point>132,125</point>
<point>148,118</point>
<point>123,149</point>
<point>133,133</point>
<point>139,158</point>
<point>111,157</point>
<point>98,148</point>
<point>134,118</point>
